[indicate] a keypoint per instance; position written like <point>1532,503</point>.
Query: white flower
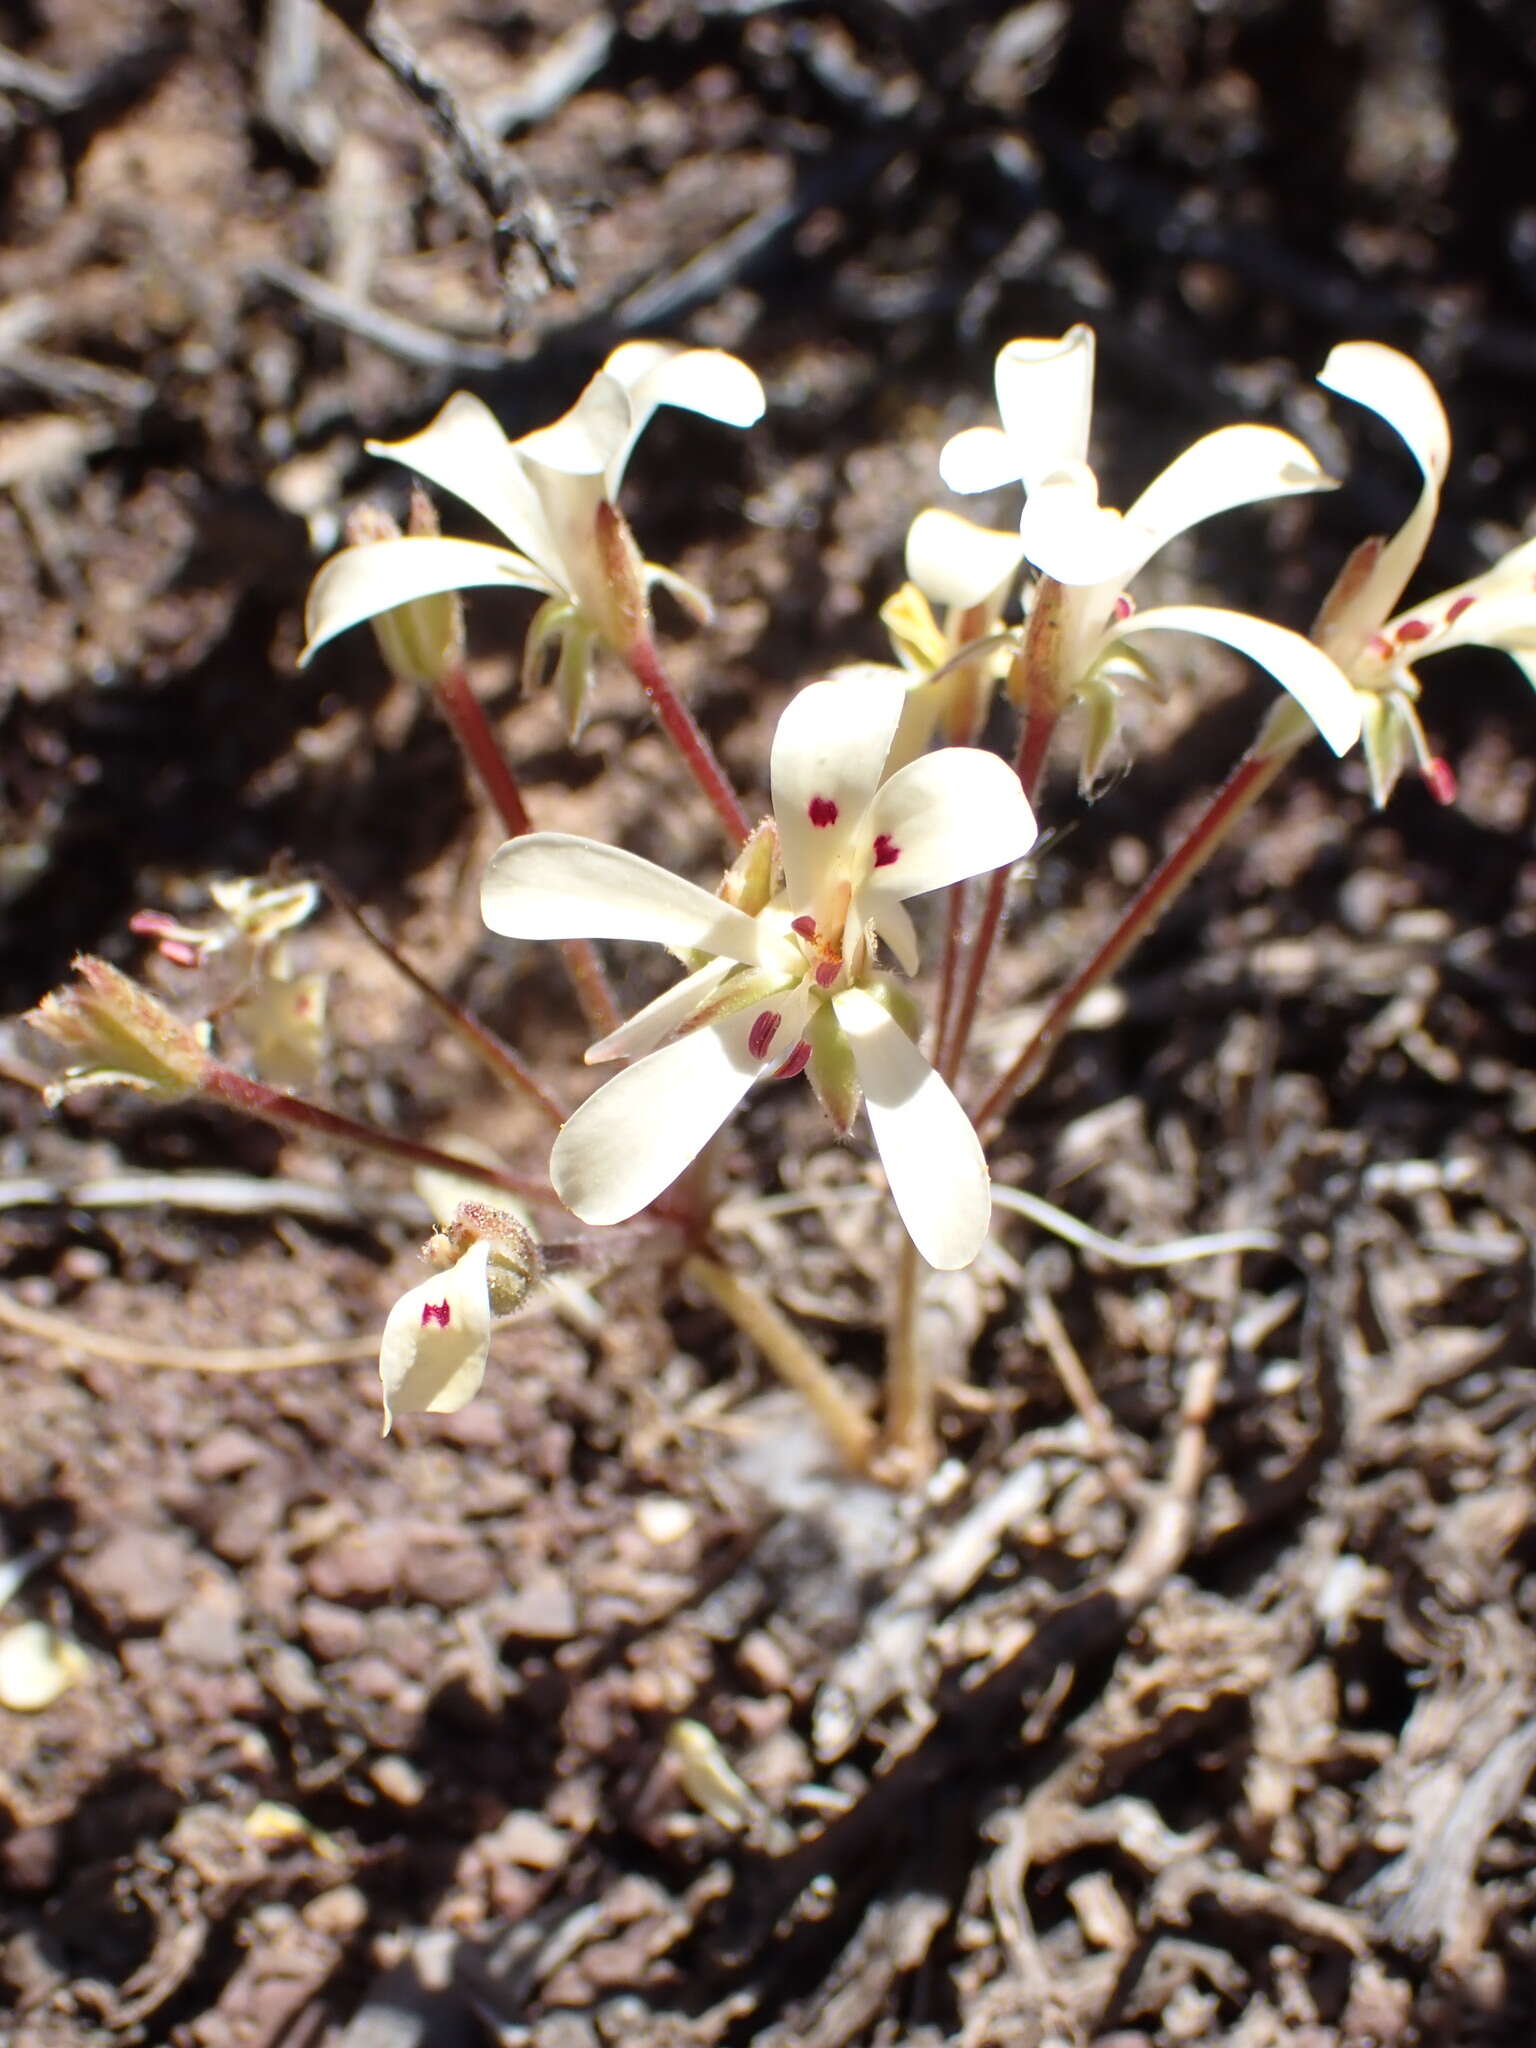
<point>436,1338</point>
<point>552,494</point>
<point>1045,398</point>
<point>784,978</point>
<point>968,572</point>
<point>1377,650</point>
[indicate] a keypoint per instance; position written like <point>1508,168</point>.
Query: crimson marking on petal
<point>827,972</point>
<point>822,811</point>
<point>435,1312</point>
<point>1414,629</point>
<point>760,1037</point>
<point>886,850</point>
<point>797,1062</point>
<point>1441,777</point>
<point>1462,604</point>
<point>805,926</point>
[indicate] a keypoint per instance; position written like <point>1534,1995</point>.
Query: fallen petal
<point>436,1337</point>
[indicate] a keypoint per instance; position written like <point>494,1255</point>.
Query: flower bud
<point>120,1036</point>
<point>421,640</point>
<point>625,614</point>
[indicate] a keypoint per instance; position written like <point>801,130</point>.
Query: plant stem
<point>1034,745</point>
<point>471,728</point>
<point>1244,786</point>
<point>682,728</point>
<point>910,1431</point>
<point>954,946</point>
<point>293,1112</point>
<point>791,1357</point>
<point>487,1046</point>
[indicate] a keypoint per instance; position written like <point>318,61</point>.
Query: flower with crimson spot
<point>784,964</point>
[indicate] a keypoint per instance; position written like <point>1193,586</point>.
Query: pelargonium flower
<point>785,978</point>
<point>968,572</point>
<point>1377,650</point>
<point>552,494</point>
<point>1091,552</point>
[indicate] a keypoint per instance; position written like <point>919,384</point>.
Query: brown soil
<point>1226,1751</point>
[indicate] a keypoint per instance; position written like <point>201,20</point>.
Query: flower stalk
<point>683,730</point>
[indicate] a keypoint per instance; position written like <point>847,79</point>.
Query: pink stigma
<point>1414,629</point>
<point>760,1037</point>
<point>1462,604</point>
<point>1441,777</point>
<point>797,1062</point>
<point>435,1312</point>
<point>822,810</point>
<point>805,926</point>
<point>886,850</point>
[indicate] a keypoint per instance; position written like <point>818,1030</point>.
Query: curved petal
<point>701,380</point>
<point>1045,396</point>
<point>932,1156</point>
<point>951,814</point>
<point>894,929</point>
<point>1393,387</point>
<point>552,885</point>
<point>363,582</point>
<point>1070,537</point>
<point>634,1137</point>
<point>953,561</point>
<point>1504,619</point>
<point>979,459</point>
<point>660,1018</point>
<point>433,1351</point>
<point>1233,466</point>
<point>464,451</point>
<point>1318,685</point>
<point>828,752</point>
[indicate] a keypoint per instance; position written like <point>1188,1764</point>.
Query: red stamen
<point>805,926</point>
<point>1414,629</point>
<point>886,850</point>
<point>1125,604</point>
<point>435,1312</point>
<point>827,972</point>
<point>822,811</point>
<point>1462,604</point>
<point>797,1062</point>
<point>1441,777</point>
<point>1380,644</point>
<point>764,1025</point>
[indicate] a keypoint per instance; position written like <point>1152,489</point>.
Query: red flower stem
<point>292,1112</point>
<point>466,715</point>
<point>954,935</point>
<point>487,1046</point>
<point>682,728</point>
<point>1034,745</point>
<point>1244,786</point>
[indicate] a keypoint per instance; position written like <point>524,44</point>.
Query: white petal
<point>1072,538</point>
<point>631,1140</point>
<point>1045,395</point>
<point>582,442</point>
<point>464,451</point>
<point>432,1355</point>
<point>669,1012</point>
<point>1316,682</point>
<point>1505,619</point>
<point>951,814</point>
<point>932,1157</point>
<point>828,751</point>
<point>1234,466</point>
<point>552,885</point>
<point>701,380</point>
<point>894,928</point>
<point>362,582</point>
<point>955,562</point>
<point>980,459</point>
<point>1394,388</point>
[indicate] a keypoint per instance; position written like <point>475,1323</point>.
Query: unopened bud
<point>119,1036</point>
<point>422,640</point>
<point>748,882</point>
<point>515,1266</point>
